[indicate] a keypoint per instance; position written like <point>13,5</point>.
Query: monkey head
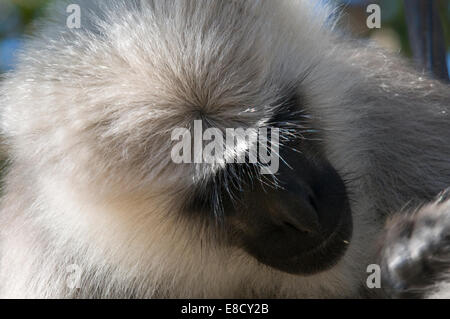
<point>106,128</point>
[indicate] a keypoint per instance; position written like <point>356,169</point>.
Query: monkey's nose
<point>297,211</point>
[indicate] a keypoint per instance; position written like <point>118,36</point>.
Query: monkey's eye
<point>295,124</point>
<point>288,112</point>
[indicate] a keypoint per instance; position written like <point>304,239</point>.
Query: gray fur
<point>87,117</point>
<point>416,252</point>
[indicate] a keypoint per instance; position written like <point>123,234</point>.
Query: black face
<point>302,225</point>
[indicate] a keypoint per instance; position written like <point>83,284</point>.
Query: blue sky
<point>8,48</point>
<point>448,62</point>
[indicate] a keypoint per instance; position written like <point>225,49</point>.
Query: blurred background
<point>16,17</point>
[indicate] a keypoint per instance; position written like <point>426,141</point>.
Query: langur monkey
<point>93,206</point>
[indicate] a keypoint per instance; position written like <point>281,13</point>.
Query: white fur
<point>87,118</point>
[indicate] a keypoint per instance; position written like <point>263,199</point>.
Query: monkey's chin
<point>285,256</point>
<point>319,259</point>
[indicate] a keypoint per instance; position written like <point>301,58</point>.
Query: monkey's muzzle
<point>302,227</point>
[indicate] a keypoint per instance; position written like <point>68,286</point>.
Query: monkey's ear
<point>415,257</point>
